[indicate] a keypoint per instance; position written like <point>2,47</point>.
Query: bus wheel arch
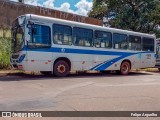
<point>61,67</point>
<point>125,67</point>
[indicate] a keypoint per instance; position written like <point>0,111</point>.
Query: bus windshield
<point>18,34</point>
<point>17,39</point>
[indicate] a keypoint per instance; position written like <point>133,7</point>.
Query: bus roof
<point>50,20</point>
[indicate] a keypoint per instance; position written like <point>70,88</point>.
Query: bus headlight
<point>21,58</point>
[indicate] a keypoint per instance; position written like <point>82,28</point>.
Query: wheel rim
<point>125,69</point>
<point>61,68</point>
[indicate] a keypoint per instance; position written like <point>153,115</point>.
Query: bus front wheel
<point>125,68</point>
<point>61,68</point>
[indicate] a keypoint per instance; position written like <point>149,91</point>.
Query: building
<point>10,10</point>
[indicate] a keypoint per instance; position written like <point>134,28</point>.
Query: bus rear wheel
<point>61,68</point>
<point>125,68</point>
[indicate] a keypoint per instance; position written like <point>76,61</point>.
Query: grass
<point>148,69</point>
<point>5,50</point>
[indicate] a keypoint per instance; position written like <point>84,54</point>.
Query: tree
<point>99,9</point>
<point>136,15</point>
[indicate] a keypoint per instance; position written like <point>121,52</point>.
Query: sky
<point>80,7</point>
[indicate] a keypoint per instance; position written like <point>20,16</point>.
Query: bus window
<point>120,41</point>
<point>135,43</point>
<point>148,44</point>
<point>83,37</point>
<point>62,34</point>
<point>103,39</point>
<point>40,36</point>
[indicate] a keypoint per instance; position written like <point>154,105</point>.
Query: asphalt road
<point>139,91</point>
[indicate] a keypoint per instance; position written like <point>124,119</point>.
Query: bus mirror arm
<point>30,24</point>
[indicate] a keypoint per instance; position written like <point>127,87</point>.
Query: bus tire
<point>46,72</point>
<point>61,68</point>
<point>125,68</point>
<point>159,69</point>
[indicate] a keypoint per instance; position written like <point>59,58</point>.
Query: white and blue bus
<point>56,46</point>
<point>158,54</point>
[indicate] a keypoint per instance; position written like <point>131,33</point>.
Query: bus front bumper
<point>19,66</point>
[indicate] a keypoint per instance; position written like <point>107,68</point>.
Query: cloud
<point>14,0</point>
<point>49,4</point>
<point>65,7</point>
<point>83,7</point>
<point>30,2</point>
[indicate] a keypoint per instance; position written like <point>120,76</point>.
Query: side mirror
<point>29,26</point>
<point>30,23</point>
<point>34,31</point>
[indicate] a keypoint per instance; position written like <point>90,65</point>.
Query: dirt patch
<point>5,72</point>
<point>149,70</point>
<point>10,72</point>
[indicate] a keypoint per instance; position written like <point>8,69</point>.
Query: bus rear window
<point>120,41</point>
<point>103,39</point>
<point>135,43</point>
<point>148,44</point>
<point>62,34</point>
<point>83,37</point>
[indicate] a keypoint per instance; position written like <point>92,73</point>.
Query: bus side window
<point>135,43</point>
<point>103,39</point>
<point>62,34</point>
<point>83,37</point>
<point>120,41</point>
<point>148,44</point>
<point>40,36</point>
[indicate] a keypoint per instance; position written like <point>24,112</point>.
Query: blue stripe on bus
<point>82,51</point>
<point>111,62</point>
<point>101,66</point>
